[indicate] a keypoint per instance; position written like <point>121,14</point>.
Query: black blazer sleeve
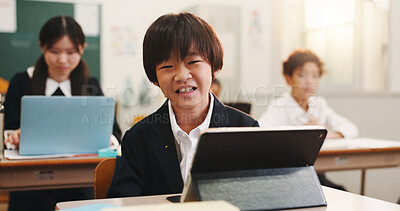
<point>19,86</point>
<point>130,170</point>
<point>94,89</point>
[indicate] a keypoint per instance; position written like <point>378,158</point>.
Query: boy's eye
<point>166,66</point>
<point>193,62</point>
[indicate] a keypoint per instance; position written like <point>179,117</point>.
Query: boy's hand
<point>312,121</point>
<point>334,135</point>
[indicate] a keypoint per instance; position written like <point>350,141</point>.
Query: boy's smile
<point>184,90</point>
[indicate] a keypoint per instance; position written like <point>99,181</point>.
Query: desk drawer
<point>46,177</point>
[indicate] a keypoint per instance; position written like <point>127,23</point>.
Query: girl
<point>60,70</point>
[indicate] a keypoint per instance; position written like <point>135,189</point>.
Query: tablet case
<point>60,125</point>
<point>257,169</point>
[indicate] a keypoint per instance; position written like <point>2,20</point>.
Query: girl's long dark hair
<point>52,31</point>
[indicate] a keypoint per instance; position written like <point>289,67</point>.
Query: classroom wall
<point>393,77</point>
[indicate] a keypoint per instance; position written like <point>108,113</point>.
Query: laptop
<point>245,107</point>
<point>65,125</point>
<point>257,168</point>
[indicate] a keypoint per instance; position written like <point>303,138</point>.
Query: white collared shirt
<point>186,144</point>
<point>285,111</point>
<point>52,85</point>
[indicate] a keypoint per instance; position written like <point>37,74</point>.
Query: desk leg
<point>362,182</point>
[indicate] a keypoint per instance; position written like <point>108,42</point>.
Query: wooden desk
<point>360,154</point>
<point>336,199</point>
<point>47,173</point>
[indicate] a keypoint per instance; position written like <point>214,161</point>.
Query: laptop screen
<point>58,125</point>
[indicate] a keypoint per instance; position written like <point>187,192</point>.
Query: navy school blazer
<point>149,164</point>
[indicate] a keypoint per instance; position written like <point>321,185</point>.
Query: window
<point>351,37</point>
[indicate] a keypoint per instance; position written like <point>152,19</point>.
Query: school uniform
<point>285,111</point>
<point>150,163</point>
<point>43,199</point>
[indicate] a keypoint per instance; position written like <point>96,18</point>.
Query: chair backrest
<point>103,176</point>
<point>3,85</point>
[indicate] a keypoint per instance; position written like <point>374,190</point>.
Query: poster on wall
<point>8,16</point>
<point>87,16</point>
<point>124,41</point>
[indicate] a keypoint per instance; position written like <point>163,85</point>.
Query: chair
<point>103,176</point>
<point>3,85</point>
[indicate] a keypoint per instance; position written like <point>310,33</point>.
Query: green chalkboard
<point>20,50</point>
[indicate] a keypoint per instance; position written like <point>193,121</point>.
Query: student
<point>302,71</point>
<point>181,55</point>
<point>216,87</point>
<point>60,70</point>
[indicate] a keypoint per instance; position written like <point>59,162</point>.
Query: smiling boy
<point>181,55</point>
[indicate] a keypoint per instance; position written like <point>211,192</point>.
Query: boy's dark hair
<point>51,32</point>
<point>177,33</point>
<point>298,58</point>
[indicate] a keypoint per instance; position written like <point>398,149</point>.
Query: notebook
<point>257,168</point>
<point>60,125</point>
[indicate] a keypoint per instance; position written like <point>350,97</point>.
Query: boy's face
<point>185,83</point>
<point>304,80</point>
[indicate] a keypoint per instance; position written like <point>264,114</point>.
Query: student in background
<point>60,70</point>
<point>302,71</point>
<point>216,87</point>
<point>181,55</point>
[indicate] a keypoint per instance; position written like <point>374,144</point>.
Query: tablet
<point>254,168</point>
<point>228,149</point>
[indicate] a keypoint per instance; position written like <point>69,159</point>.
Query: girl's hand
<point>12,138</point>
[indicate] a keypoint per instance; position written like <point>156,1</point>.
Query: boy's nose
<point>310,80</point>
<point>182,73</point>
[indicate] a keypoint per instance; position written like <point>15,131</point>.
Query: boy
<point>303,71</point>
<point>181,55</point>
